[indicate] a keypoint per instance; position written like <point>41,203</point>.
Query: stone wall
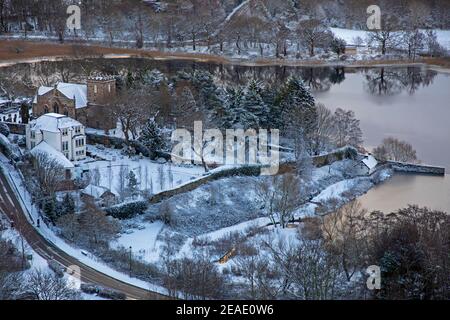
<point>416,168</point>
<point>16,128</point>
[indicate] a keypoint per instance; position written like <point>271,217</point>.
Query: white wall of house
<point>70,141</point>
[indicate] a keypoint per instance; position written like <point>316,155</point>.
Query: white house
<point>58,135</point>
<point>367,165</point>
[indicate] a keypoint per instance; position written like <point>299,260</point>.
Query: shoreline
<point>29,51</point>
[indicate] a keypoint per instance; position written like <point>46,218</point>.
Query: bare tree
<point>322,135</point>
<point>132,107</point>
<point>96,227</point>
<point>279,197</point>
<point>342,236</point>
<point>386,38</point>
<point>346,129</point>
<point>194,278</point>
<point>94,176</point>
<point>122,179</point>
<point>395,150</point>
<point>313,34</point>
<point>414,40</point>
<point>48,286</point>
<point>48,173</point>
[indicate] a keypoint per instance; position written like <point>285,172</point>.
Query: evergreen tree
<point>152,136</point>
<point>233,108</point>
<point>210,96</point>
<point>67,206</point>
<point>254,110</point>
<point>49,207</point>
<point>132,183</point>
<point>295,106</point>
<point>153,78</point>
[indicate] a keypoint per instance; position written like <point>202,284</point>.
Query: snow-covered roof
<point>94,191</point>
<point>53,122</point>
<point>370,161</point>
<point>45,148</point>
<point>70,90</point>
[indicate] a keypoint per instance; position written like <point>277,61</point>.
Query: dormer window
<point>65,132</point>
<point>77,130</point>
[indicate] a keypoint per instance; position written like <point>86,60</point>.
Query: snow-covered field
<point>209,213</point>
<point>89,260</point>
<point>152,176</point>
<point>443,36</point>
<point>226,206</point>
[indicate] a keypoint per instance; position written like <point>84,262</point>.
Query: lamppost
<point>131,253</point>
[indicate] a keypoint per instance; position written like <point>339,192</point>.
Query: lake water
<point>420,116</point>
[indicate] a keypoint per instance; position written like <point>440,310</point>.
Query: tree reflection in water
<point>377,81</point>
<point>392,81</point>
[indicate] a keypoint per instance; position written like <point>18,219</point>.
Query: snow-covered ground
<point>24,198</point>
<point>350,36</point>
<point>152,176</point>
<point>207,214</point>
<point>211,212</point>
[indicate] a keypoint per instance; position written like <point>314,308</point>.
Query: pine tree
<point>296,106</point>
<point>210,96</point>
<point>153,78</point>
<point>132,183</point>
<point>255,111</point>
<point>49,207</point>
<point>152,136</point>
<point>233,108</point>
<point>67,205</point>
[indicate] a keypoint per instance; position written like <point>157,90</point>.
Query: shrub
<point>102,292</point>
<point>127,210</point>
<point>4,129</point>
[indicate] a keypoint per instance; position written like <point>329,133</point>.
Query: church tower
<point>100,89</point>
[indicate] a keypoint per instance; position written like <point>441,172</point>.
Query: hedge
<point>127,210</point>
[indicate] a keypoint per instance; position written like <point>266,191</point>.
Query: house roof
<point>95,191</point>
<point>370,161</point>
<point>70,90</point>
<point>53,122</point>
<point>45,148</point>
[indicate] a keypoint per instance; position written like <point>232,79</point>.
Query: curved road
<point>9,204</point>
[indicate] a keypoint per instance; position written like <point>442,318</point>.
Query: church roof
<point>70,90</point>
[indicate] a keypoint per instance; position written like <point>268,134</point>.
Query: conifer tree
<point>152,136</point>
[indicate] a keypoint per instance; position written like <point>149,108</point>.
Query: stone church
<point>88,103</point>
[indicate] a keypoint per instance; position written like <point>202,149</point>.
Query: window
<point>109,87</point>
<point>33,135</point>
<point>77,130</point>
<point>65,146</point>
<point>65,132</point>
<point>33,144</point>
<point>79,143</point>
<point>95,89</point>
